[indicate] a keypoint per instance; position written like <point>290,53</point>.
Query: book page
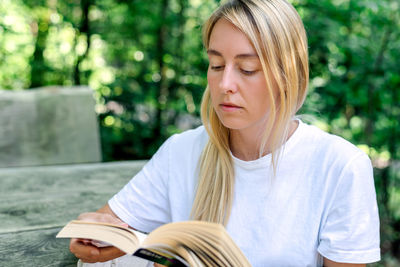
<point>128,240</point>
<point>190,243</point>
<point>199,243</point>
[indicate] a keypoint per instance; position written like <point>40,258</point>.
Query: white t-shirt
<point>321,202</point>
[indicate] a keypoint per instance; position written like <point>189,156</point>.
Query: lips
<point>227,106</point>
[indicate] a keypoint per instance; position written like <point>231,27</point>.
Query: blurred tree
<point>16,45</point>
<point>40,29</point>
<point>82,31</point>
<point>146,64</point>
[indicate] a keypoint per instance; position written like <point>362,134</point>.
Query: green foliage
<point>16,45</point>
<point>146,64</point>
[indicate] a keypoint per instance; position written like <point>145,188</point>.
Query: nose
<point>228,83</point>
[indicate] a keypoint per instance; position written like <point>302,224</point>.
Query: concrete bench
<point>35,202</point>
<point>49,171</point>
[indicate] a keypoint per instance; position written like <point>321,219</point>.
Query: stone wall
<point>46,126</point>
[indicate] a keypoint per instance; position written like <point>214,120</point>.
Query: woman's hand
<point>90,253</point>
<point>85,250</point>
<point>100,216</point>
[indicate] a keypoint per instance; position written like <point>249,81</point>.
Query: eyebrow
<point>245,55</point>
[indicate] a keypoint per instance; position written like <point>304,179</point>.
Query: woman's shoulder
<point>189,136</point>
<point>188,141</point>
<point>329,145</point>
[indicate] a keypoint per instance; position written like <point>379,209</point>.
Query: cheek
<point>264,105</point>
<point>260,98</point>
<point>211,78</point>
<point>213,87</point>
<point>213,96</point>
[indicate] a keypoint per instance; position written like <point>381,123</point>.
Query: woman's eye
<point>247,72</point>
<point>217,67</point>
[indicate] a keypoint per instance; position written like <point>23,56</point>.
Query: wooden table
<point>35,202</point>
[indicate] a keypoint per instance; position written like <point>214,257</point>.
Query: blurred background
<point>146,65</point>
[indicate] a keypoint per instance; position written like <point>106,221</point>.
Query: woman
<point>288,193</point>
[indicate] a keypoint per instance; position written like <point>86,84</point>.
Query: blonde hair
<point>277,33</point>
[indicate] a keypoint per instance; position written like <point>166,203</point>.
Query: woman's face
<point>236,80</point>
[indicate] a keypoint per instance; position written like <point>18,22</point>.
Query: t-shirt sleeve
<point>143,202</point>
<point>350,233</point>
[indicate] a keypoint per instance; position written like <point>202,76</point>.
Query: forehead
<point>227,38</point>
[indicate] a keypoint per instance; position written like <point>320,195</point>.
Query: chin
<point>233,122</point>
<point>233,125</point>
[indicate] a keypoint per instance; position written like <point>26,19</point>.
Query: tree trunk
<point>369,131</point>
<point>38,66</point>
<point>162,94</point>
<point>84,28</point>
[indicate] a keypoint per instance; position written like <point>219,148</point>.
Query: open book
<point>190,243</point>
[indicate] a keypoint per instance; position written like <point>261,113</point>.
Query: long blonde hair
<point>277,33</point>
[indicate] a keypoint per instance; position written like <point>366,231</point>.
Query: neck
<point>245,145</point>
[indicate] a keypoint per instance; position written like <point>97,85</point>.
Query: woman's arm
<point>87,252</point>
<point>329,263</point>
